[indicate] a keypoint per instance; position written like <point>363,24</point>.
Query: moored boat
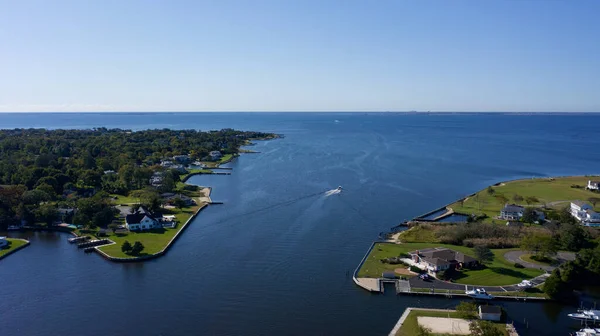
<point>478,293</point>
<point>586,315</point>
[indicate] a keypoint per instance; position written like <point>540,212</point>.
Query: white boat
<point>479,293</point>
<point>13,228</point>
<point>339,188</point>
<point>586,315</point>
<point>525,284</point>
<point>588,332</point>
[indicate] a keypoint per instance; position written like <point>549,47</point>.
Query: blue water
<point>286,270</point>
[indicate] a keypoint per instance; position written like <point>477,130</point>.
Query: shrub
<point>517,265</point>
<point>190,187</point>
<point>415,269</point>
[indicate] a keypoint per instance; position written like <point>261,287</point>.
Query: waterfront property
<point>499,272</point>
<point>537,192</point>
<point>512,212</point>
<point>593,185</point>
<point>142,219</point>
<point>441,259</point>
<point>585,214</point>
<point>10,245</point>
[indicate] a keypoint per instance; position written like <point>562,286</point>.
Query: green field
<point>551,192</point>
<point>120,199</point>
<point>499,273</point>
<point>14,244</point>
<point>153,241</point>
<point>195,171</point>
<point>410,325</point>
<point>423,233</point>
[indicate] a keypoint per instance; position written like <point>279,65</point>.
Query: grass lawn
<point>153,241</point>
<point>410,325</point>
<point>120,199</point>
<point>499,273</point>
<point>527,258</point>
<point>419,234</point>
<point>13,244</point>
<point>195,171</point>
<point>549,191</point>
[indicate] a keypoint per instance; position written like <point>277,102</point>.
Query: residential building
<point>215,155</point>
<point>593,185</point>
<point>441,259</point>
<point>512,212</point>
<point>142,220</point>
<point>170,198</point>
<point>490,313</point>
<point>585,213</point>
<point>109,172</point>
<point>184,159</point>
<point>166,163</point>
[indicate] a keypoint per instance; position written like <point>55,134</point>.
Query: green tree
<point>467,310</point>
<point>126,247</point>
<point>529,215</point>
<point>531,200</point>
<point>554,287</point>
<point>594,200</point>
<point>484,328</point>
<point>483,254</point>
<point>490,190</point>
<point>423,331</point>
<point>572,237</point>
<point>517,198</point>
<point>46,213</point>
<point>543,246</point>
<point>179,203</point>
<point>137,248</point>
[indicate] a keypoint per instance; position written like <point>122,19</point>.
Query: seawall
<point>17,249</point>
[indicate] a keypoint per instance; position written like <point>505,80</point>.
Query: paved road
<point>561,257</point>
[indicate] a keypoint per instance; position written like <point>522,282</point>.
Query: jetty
<point>78,239</point>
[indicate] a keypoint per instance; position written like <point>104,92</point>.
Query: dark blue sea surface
<point>286,270</point>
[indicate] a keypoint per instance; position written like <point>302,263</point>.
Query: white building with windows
<point>585,213</point>
<point>142,220</point>
<point>512,212</point>
<point>593,185</point>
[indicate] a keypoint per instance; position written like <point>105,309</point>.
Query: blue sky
<point>300,55</point>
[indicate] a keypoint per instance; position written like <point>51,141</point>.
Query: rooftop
<point>512,208</point>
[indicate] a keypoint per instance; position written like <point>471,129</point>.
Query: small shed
<point>490,313</point>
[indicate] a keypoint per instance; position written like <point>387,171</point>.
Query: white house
<point>3,242</point>
<point>512,212</point>
<point>141,220</point>
<point>490,313</point>
<point>593,185</point>
<point>215,155</point>
<point>585,213</point>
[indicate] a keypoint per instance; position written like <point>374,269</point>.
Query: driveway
<point>436,284</point>
<point>561,257</point>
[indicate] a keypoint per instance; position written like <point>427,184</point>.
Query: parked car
<point>424,276</point>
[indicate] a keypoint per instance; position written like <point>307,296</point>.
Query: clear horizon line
<point>299,111</point>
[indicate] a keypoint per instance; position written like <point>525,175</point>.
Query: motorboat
<point>13,228</point>
<point>588,332</point>
<point>339,188</point>
<point>478,293</point>
<point>586,315</point>
<point>525,284</point>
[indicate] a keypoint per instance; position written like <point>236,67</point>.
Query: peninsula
<point>544,230</point>
<point>122,192</point>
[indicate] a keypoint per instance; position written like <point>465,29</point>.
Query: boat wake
<point>333,191</point>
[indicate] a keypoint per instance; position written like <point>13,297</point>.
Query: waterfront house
<point>593,185</point>
<point>141,220</point>
<point>170,198</point>
<point>3,242</point>
<point>441,259</point>
<point>166,163</point>
<point>184,159</point>
<point>585,213</point>
<point>109,172</point>
<point>215,155</point>
<point>490,313</point>
<point>512,212</point>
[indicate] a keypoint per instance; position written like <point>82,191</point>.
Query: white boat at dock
<point>479,294</point>
<point>525,284</point>
<point>588,332</point>
<point>586,315</point>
